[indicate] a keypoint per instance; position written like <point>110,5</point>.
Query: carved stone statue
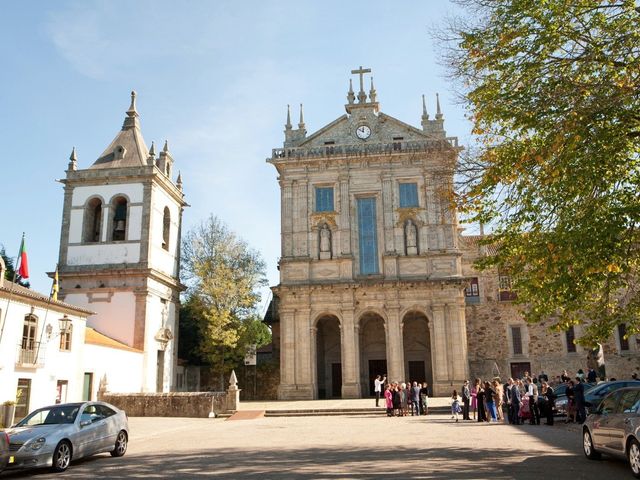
<point>411,238</point>
<point>325,242</point>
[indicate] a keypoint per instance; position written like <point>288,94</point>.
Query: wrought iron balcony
<point>362,148</point>
<point>31,354</point>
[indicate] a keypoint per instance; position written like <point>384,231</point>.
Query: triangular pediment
<point>383,128</point>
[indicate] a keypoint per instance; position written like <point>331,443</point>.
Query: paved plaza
<point>336,447</point>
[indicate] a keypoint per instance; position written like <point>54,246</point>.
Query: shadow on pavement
<point>327,463</point>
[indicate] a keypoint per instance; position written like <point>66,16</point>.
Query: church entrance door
<point>373,351</point>
<point>376,367</point>
<point>416,340</point>
<point>328,358</point>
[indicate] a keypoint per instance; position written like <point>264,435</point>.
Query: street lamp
<point>64,325</point>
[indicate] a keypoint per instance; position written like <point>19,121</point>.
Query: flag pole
<point>54,293</point>
<point>13,282</point>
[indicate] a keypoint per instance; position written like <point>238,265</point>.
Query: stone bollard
<point>233,393</point>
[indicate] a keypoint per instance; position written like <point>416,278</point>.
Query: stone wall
<point>176,404</point>
<point>490,348</point>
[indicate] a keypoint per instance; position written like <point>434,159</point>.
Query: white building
<point>41,348</point>
<point>120,254</point>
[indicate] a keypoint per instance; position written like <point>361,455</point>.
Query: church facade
<point>375,276</point>
<point>370,274</point>
<point>120,252</point>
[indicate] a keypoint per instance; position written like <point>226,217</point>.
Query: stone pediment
<point>383,129</point>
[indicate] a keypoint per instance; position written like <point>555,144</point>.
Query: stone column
<point>301,219</point>
<point>313,360</point>
<point>303,349</point>
<point>387,214</point>
<point>286,217</point>
<point>439,347</point>
<point>344,217</point>
<point>287,353</point>
<point>350,371</point>
<point>457,334</point>
<point>395,352</point>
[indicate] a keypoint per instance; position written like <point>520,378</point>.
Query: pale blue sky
<point>213,78</point>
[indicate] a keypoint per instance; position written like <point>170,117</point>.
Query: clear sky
<point>212,77</point>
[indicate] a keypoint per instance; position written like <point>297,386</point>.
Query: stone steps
<point>362,412</point>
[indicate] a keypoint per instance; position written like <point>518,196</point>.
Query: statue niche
<point>410,238</point>
<point>325,242</point>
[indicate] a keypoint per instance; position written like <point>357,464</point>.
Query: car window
<point>91,413</point>
<point>105,411</point>
<point>608,405</point>
<point>628,402</point>
<point>603,391</point>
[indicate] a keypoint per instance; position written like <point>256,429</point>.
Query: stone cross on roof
<point>362,97</point>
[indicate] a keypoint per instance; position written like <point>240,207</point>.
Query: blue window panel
<point>324,199</point>
<point>408,195</point>
<point>368,240</point>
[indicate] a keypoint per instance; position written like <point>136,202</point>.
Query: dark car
<point>4,450</point>
<point>561,403</point>
<point>594,395</point>
<point>614,428</point>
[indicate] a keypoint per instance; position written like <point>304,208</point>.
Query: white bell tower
<point>120,248</point>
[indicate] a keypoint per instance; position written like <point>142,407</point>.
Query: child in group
<point>455,405</point>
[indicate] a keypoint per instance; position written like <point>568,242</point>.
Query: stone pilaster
<point>387,214</point>
<point>313,360</point>
<point>344,217</point>
<point>395,352</point>
<point>439,345</point>
<point>349,335</point>
<point>286,217</point>
<point>457,335</point>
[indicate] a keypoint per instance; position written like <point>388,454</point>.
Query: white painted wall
<point>98,254</point>
<point>57,365</point>
<point>159,258</point>
<point>114,318</point>
<point>123,369</point>
<point>76,218</point>
<point>133,191</point>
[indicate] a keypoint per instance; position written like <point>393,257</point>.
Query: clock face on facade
<point>363,132</point>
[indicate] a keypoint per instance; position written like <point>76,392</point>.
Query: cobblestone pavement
<point>432,447</point>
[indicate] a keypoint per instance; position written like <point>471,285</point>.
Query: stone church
<point>376,276</point>
<point>120,250</point>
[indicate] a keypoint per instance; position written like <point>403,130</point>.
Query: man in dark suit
<point>516,400</point>
<point>466,398</point>
<point>578,395</point>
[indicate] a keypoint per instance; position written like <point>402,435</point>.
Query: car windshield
<point>51,416</point>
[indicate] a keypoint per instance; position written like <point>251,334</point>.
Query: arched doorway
<point>373,351</point>
<point>328,357</point>
<point>416,341</point>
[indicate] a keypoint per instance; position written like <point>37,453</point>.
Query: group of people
<point>527,398</point>
<point>403,398</point>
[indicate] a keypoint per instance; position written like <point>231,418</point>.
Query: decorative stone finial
<point>233,381</point>
<point>132,112</point>
<point>425,115</point>
<point>288,124</point>
<point>372,92</point>
<point>438,111</point>
<point>165,149</point>
<point>179,181</point>
<point>131,120</point>
<point>301,123</point>
<point>73,160</point>
<point>152,150</point>
<point>351,97</point>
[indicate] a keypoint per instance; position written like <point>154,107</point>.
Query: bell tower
<point>120,247</point>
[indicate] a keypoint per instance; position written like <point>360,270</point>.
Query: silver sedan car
<point>53,436</point>
<point>614,428</point>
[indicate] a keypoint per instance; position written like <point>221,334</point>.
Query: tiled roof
<point>94,337</point>
<point>8,288</point>
<point>473,241</point>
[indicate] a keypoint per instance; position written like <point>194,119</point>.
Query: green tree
<point>552,87</point>
<point>223,275</point>
<point>10,271</point>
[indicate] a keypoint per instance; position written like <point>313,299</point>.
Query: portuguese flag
<point>23,270</point>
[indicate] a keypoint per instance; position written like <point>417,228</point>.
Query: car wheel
<point>61,457</point>
<point>587,446</point>
<point>121,444</point>
<point>634,457</point>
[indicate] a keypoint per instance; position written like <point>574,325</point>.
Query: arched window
<point>119,219</point>
<point>166,225</point>
<point>92,220</point>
